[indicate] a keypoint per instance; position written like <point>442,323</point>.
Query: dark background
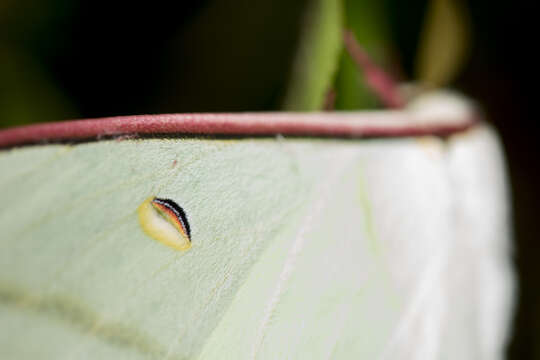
<point>64,59</point>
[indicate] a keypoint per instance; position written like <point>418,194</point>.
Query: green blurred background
<point>65,59</point>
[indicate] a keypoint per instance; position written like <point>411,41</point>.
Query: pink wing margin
<point>389,123</point>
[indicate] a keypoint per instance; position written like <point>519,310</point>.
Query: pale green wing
<point>301,248</point>
<point>79,278</point>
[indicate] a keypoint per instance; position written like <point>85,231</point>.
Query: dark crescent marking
<point>178,211</point>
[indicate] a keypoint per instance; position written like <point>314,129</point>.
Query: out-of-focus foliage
<point>444,43</point>
<point>66,59</point>
<point>367,19</point>
<point>317,60</point>
<point>323,65</point>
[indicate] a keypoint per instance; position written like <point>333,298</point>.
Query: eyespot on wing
<point>165,221</point>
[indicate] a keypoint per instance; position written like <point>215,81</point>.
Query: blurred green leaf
<point>317,58</point>
<point>367,19</point>
<point>351,90</point>
<point>444,43</point>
